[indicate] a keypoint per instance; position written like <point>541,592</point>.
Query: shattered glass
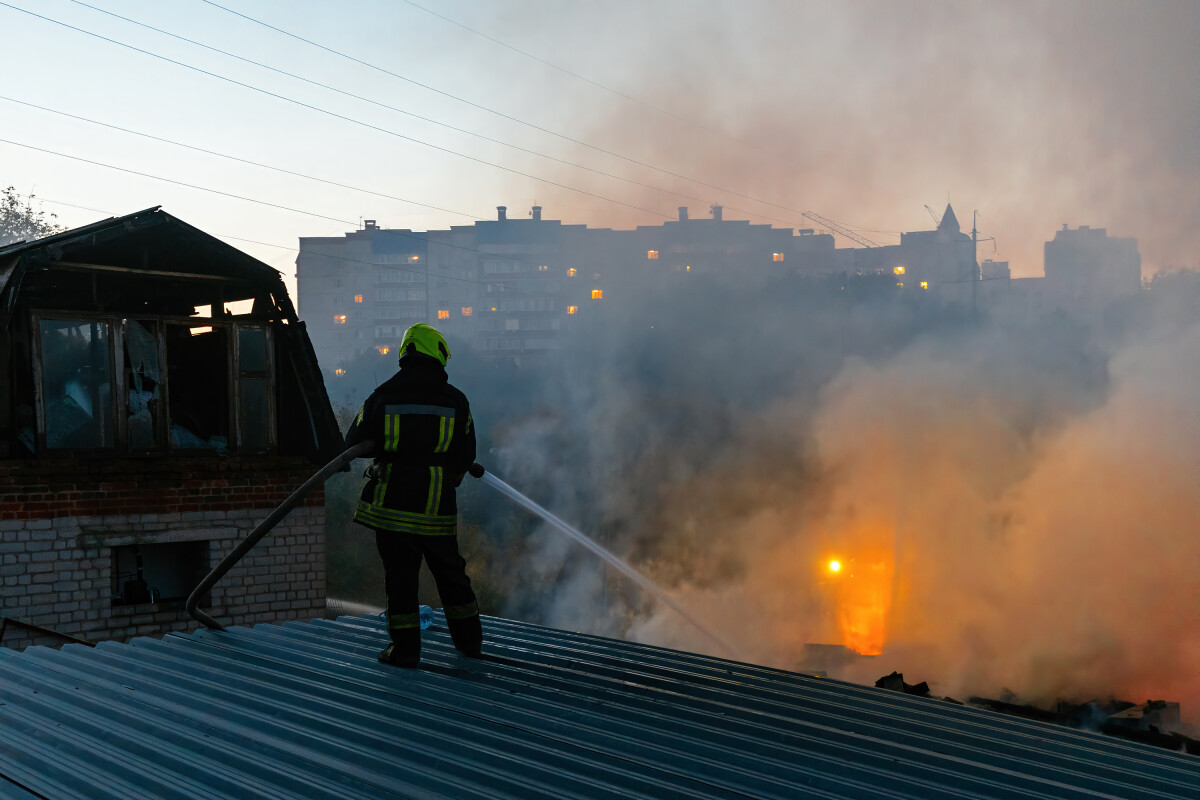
<point>76,384</point>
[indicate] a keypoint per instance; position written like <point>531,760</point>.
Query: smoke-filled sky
<point>1035,114</point>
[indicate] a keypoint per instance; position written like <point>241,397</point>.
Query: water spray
<point>638,578</point>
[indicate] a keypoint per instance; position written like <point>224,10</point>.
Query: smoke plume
<point>1034,113</point>
<point>1011,506</point>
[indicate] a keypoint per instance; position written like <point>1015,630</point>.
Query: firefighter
<point>426,443</point>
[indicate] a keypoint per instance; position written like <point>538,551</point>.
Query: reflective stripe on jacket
<point>427,440</point>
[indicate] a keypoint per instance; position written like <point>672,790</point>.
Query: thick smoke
<point>1017,499</point>
<point>1035,113</point>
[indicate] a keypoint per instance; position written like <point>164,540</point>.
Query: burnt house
<point>159,396</point>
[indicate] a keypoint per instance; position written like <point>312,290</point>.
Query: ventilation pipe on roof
<point>502,213</point>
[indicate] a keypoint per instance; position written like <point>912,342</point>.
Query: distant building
<point>359,292</point>
<point>508,287</point>
<point>159,396</point>
<point>941,261</point>
<point>1086,270</point>
<point>990,270</point>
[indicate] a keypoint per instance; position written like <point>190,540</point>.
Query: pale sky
<point>1035,114</point>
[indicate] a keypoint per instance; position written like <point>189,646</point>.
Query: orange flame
<point>864,598</point>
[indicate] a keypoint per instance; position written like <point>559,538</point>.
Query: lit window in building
<point>339,372</point>
<point>688,268</point>
<point>597,294</point>
<point>898,270</point>
<point>466,311</point>
<point>443,313</point>
<point>572,272</point>
<point>572,309</point>
<point>899,283</point>
<point>384,350</point>
<point>358,298</point>
<point>413,259</point>
<point>543,267</point>
<point>651,254</point>
<point>340,319</point>
<point>924,284</point>
<point>777,256</point>
<point>493,308</point>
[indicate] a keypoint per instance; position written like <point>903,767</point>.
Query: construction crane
<point>836,228</point>
<point>936,219</point>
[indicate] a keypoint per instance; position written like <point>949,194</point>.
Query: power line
<point>336,115</point>
<point>561,69</point>
<point>426,86</point>
<point>236,158</point>
<point>520,121</point>
<point>361,98</point>
<point>432,121</point>
<point>423,238</point>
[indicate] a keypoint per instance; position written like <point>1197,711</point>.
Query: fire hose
<point>274,518</point>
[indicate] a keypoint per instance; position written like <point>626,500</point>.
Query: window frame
<point>118,394</point>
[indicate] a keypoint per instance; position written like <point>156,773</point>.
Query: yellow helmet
<point>424,339</point>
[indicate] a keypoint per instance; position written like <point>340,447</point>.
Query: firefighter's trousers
<point>401,554</point>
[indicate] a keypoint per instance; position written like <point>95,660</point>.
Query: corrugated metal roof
<point>304,710</point>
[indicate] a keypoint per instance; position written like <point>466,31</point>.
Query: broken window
<point>149,384</point>
<point>198,387</point>
<point>76,384</point>
<point>142,382</point>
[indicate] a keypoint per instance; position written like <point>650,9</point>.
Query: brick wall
<point>47,489</point>
<point>61,522</point>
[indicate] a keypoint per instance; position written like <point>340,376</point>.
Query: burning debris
<point>895,682</point>
<point>1155,722</point>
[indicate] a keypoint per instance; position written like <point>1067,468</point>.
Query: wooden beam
<point>75,265</point>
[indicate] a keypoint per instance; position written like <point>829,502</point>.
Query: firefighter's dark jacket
<point>426,443</point>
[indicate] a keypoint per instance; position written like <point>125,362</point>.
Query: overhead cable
<point>597,148</point>
<point>343,117</point>
<point>238,159</point>
<point>380,104</point>
<point>561,69</point>
<point>408,235</point>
